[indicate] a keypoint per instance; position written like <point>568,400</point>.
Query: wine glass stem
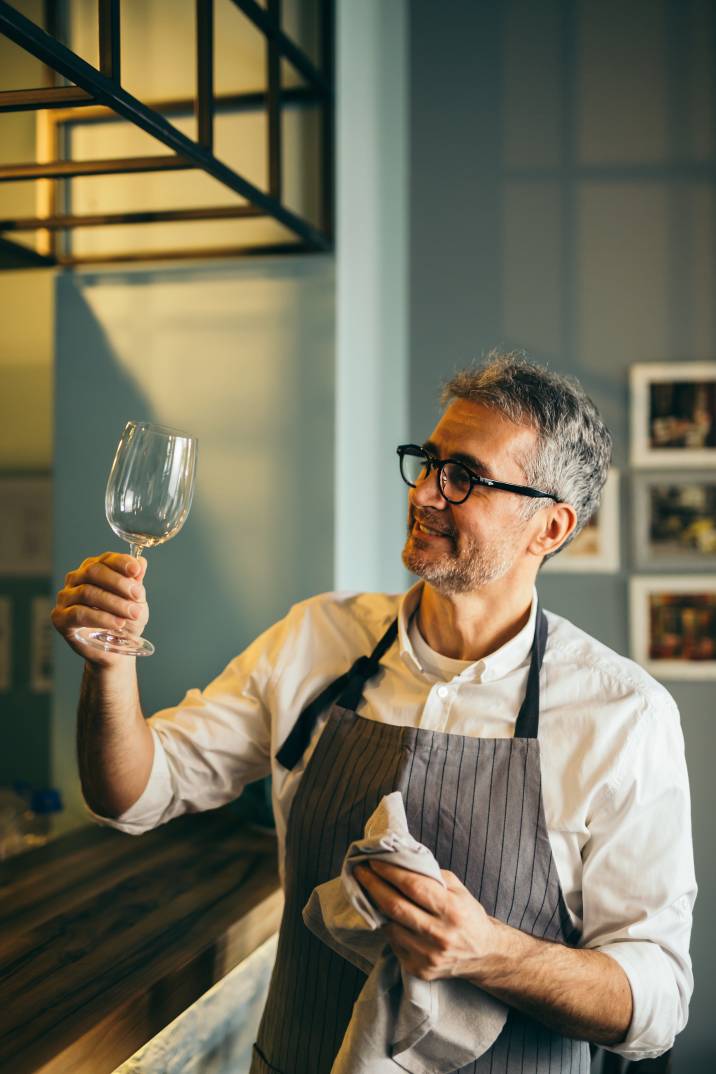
<point>135,550</point>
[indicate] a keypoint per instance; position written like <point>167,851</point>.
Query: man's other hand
<point>434,931</point>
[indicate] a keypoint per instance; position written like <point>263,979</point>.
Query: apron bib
<point>475,802</point>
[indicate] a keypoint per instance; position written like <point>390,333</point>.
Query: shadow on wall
<point>242,357</point>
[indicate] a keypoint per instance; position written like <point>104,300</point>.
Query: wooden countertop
<point>106,937</point>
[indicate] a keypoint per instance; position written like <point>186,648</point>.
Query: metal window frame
<point>96,94</point>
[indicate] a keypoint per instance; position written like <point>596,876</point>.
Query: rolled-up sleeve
<point>153,802</point>
<point>638,884</point>
<point>207,748</point>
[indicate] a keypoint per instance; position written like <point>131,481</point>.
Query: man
<point>544,771</point>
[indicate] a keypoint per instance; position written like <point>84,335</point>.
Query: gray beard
<point>460,570</point>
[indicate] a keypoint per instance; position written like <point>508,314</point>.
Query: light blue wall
<point>242,356</point>
<point>371,291</point>
<point>563,200</point>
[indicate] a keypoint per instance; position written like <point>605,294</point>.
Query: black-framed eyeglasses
<point>455,480</point>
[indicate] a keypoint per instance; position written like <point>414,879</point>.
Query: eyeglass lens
<point>455,480</point>
<point>413,468</point>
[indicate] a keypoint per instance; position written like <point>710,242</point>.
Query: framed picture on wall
<point>673,625</point>
<point>596,547</point>
<point>26,530</point>
<point>673,414</point>
<point>674,520</point>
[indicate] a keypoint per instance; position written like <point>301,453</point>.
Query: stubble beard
<point>464,565</point>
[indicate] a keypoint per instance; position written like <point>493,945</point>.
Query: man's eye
<point>457,476</point>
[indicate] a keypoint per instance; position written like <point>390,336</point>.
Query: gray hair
<point>574,446</point>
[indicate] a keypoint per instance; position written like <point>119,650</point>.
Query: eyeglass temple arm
<point>523,490</point>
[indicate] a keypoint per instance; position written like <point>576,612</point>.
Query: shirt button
<point>443,692</point>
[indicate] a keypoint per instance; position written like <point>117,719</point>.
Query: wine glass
<point>149,493</point>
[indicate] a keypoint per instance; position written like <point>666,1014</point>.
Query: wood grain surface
<point>106,937</point>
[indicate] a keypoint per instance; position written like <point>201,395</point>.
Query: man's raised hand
<point>105,592</point>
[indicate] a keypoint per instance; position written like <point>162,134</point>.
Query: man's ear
<point>557,523</point>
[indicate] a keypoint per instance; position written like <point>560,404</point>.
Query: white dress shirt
<point>614,781</point>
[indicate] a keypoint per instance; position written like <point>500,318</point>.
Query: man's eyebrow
<point>474,463</point>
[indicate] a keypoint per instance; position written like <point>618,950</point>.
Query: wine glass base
<point>111,642</point>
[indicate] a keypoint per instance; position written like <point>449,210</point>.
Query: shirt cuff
<point>147,812</point>
<point>656,1014</point>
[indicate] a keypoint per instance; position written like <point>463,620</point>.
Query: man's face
<point>459,548</point>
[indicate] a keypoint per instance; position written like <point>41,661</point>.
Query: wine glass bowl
<point>148,496</point>
<point>151,484</point>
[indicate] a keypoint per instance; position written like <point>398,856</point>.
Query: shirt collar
<point>495,665</point>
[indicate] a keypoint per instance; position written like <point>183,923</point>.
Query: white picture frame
<point>26,530</point>
<point>672,667</point>
<point>674,520</point>
<point>596,548</point>
<point>695,420</point>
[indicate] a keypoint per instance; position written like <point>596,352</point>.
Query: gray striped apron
<point>475,802</point>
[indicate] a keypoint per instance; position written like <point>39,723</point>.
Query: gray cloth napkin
<point>399,1022</point>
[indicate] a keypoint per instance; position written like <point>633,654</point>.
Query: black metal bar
<point>252,101</point>
<point>59,188</point>
<point>259,17</point>
<point>47,194</point>
<point>109,30</point>
<point>205,73</point>
<point>198,254</point>
<point>16,256</point>
<point>51,20</point>
<point>273,102</point>
<point>32,38</point>
<point>44,97</point>
<point>148,216</point>
<point>68,169</point>
<point>327,118</point>
<point>54,188</point>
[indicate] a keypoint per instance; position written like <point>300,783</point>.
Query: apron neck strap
<point>527,725</point>
<point>347,690</point>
